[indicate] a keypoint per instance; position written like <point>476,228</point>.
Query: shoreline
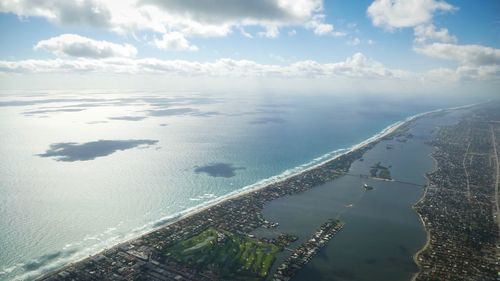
<point>190,212</point>
<point>427,231</point>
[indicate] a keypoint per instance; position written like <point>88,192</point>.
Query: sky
<point>346,46</point>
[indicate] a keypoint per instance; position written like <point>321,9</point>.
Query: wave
<point>44,264</point>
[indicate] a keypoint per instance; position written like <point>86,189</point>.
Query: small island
<point>381,172</point>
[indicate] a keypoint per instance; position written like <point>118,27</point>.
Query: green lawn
<point>234,256</point>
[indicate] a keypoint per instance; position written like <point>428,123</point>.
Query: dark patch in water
<point>44,101</point>
<point>266,120</point>
<point>92,102</point>
<point>163,125</point>
<point>205,113</point>
<point>181,111</point>
<point>43,111</point>
<point>170,112</point>
<point>224,170</point>
<point>70,151</point>
<point>128,118</point>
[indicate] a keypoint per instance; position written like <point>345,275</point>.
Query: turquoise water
<point>81,171</point>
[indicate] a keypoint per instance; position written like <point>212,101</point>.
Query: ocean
<point>84,170</point>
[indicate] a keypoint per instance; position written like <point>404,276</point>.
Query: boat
<point>367,187</point>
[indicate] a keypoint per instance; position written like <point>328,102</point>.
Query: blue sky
<point>362,38</point>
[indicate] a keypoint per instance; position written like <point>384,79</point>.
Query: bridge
<point>381,179</point>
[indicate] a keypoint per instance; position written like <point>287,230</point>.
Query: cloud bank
<point>470,55</point>
<point>82,47</point>
<point>357,66</point>
<point>176,20</point>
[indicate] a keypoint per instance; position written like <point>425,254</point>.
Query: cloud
<point>85,12</point>
<point>82,47</point>
<point>475,63</point>
<point>188,17</point>
<point>245,33</point>
<point>318,26</point>
<point>355,67</point>
<point>271,31</point>
<point>174,41</point>
<point>392,14</point>
<point>256,11</point>
<point>468,55</point>
<point>428,33</point>
<point>463,73</point>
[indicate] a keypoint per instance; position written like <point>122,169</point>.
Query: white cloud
<point>78,46</point>
<point>189,17</point>
<point>245,33</point>
<point>357,66</point>
<point>271,31</point>
<point>256,11</point>
<point>84,12</point>
<point>392,14</point>
<point>463,73</point>
<point>354,73</point>
<point>428,33</point>
<point>467,55</point>
<point>478,65</point>
<point>319,27</point>
<point>174,41</point>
